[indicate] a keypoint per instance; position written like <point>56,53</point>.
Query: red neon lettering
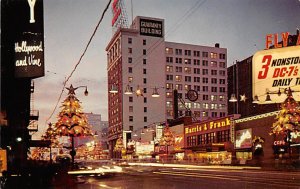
<point>263,74</point>
<point>268,40</point>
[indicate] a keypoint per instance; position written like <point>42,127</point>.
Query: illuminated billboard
<point>274,70</point>
<point>28,32</point>
<point>243,139</point>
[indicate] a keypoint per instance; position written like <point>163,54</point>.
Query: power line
<point>79,61</point>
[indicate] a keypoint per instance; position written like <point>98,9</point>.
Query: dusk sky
<point>238,25</point>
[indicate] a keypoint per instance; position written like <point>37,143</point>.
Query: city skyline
<point>238,26</point>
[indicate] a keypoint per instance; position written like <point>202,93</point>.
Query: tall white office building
<point>139,60</point>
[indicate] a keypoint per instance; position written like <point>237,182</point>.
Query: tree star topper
<point>243,97</point>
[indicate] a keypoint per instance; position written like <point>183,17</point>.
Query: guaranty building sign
<point>276,69</point>
<point>151,27</point>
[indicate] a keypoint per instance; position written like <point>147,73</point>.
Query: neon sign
<point>207,126</point>
<point>116,11</point>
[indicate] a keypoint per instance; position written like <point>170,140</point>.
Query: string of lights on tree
<point>288,118</point>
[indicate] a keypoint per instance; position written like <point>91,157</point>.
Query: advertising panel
<point>146,148</point>
<point>151,27</point>
<point>243,139</point>
<point>276,69</point>
<point>28,22</point>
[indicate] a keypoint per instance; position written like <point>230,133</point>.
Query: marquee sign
<point>276,69</point>
<point>151,27</point>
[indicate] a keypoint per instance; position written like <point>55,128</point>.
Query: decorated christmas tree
<point>71,120</point>
<point>288,118</point>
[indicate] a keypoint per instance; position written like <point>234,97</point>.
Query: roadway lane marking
<point>233,177</point>
<point>200,176</point>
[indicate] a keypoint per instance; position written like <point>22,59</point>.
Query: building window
<point>188,78</point>
<point>204,80</point>
<point>130,79</point>
<point>222,89</point>
<point>222,56</point>
<point>169,68</point>
<point>196,70</point>
<point>144,90</point>
<point>129,60</point>
<point>221,97</point>
<point>187,61</point>
<point>144,52</point>
<point>144,71</point>
<point>214,106</point>
<point>197,79</point>
<point>178,69</point>
<point>213,55</point>
<point>130,99</point>
<point>178,60</point>
<point>145,99</point>
<point>130,118</point>
<point>129,69</point>
<point>205,97</point>
<point>222,106</point>
<point>204,63</point>
<point>187,52</point>
<point>205,88</point>
<point>130,50</point>
<point>169,59</point>
<point>205,72</point>
<point>213,64</point>
<point>204,114</point>
<point>169,104</point>
<point>169,77</point>
<point>145,119</point>
<point>131,128</point>
<point>144,80</point>
<point>178,87</point>
<point>169,86</point>
<point>187,87</point>
<point>197,88</point>
<point>178,78</point>
<point>197,53</point>
<point>222,64</point>
<point>222,81</point>
<point>205,54</point>
<point>130,108</point>
<point>214,114</point>
<point>129,40</point>
<point>169,50</point>
<point>214,80</point>
<point>222,114</point>
<point>205,105</point>
<point>144,61</point>
<point>213,97</point>
<point>214,72</point>
<point>222,72</point>
<point>187,70</point>
<point>169,95</point>
<point>144,42</point>
<point>178,51</point>
<point>214,89</point>
<point>197,62</point>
